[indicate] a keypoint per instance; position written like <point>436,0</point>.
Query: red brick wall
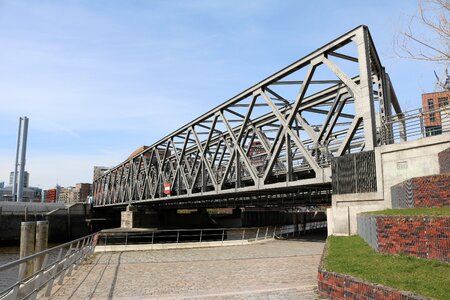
<point>425,237</point>
<point>434,97</point>
<point>431,191</point>
<point>339,286</point>
<point>444,161</point>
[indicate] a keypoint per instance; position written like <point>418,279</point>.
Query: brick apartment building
<point>78,193</point>
<point>436,111</point>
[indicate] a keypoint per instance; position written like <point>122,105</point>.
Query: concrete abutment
<point>395,163</point>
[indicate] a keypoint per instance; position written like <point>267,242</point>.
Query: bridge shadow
<point>318,237</point>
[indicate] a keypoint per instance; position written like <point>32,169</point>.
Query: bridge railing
<point>221,235</point>
<point>180,236</point>
<point>415,124</point>
<point>48,267</point>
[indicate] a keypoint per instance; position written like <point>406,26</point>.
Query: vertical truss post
<point>365,102</point>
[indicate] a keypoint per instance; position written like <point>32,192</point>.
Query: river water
<point>8,254</point>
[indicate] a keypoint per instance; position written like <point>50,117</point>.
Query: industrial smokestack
<point>16,166</point>
<point>17,187</point>
<point>23,155</point>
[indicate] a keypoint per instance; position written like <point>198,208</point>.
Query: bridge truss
<point>278,136</point>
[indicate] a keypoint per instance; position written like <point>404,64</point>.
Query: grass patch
<point>418,211</point>
<point>352,256</point>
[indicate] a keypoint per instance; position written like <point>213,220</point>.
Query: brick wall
<point>428,191</point>
<point>339,286</point>
<point>444,161</point>
<point>432,191</point>
<point>425,237</point>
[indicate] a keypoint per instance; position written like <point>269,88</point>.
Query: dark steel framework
<point>278,136</point>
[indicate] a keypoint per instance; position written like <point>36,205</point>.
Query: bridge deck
<point>279,269</point>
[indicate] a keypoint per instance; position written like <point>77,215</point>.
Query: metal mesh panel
<point>402,195</point>
<point>367,229</point>
<point>354,173</point>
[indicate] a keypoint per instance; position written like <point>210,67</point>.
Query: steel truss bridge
<point>274,140</point>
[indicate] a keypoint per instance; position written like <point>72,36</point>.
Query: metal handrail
<point>179,236</point>
<point>415,124</point>
<point>28,287</point>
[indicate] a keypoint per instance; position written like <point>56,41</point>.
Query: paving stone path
<point>280,269</point>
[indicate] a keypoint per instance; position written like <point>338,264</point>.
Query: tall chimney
<point>17,187</point>
<point>23,154</point>
<point>14,183</point>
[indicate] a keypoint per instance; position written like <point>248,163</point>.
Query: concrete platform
<point>277,269</point>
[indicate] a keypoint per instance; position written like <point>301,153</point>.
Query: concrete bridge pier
<point>135,217</point>
<point>394,164</point>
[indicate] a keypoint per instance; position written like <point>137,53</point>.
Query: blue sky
<point>99,79</point>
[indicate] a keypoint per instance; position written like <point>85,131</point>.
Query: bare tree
<point>427,35</point>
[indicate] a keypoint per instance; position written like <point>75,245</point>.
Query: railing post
<point>274,230</point>
<point>243,235</point>
<point>201,235</point>
<point>54,273</point>
<point>126,238</point>
<point>153,235</point>
<point>422,131</point>
<point>178,236</point>
<point>39,279</point>
<point>223,235</point>
<point>73,259</point>
<point>267,230</point>
<point>66,259</point>
<point>257,233</point>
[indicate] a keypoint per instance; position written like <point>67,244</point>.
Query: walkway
<point>282,269</point>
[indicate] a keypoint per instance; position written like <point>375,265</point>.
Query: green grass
<point>352,256</point>
<point>420,211</point>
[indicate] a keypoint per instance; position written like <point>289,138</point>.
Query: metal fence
<point>179,236</point>
<point>222,235</point>
<point>49,266</point>
<point>367,229</point>
<point>354,173</point>
<point>415,124</point>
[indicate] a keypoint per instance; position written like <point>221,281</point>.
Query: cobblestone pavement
<point>281,269</point>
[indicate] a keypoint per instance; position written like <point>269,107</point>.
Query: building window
<point>432,117</point>
<point>430,104</point>
<point>443,101</point>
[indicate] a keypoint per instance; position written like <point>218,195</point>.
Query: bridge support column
<point>134,217</point>
<point>127,217</point>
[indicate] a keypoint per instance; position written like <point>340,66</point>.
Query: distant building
<point>99,171</point>
<point>84,190</point>
<point>30,194</point>
<point>79,193</point>
<point>436,112</point>
<point>52,195</point>
<point>26,179</point>
<point>65,194</point>
<point>137,151</point>
<point>2,184</point>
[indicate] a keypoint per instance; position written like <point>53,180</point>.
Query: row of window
<point>442,101</point>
